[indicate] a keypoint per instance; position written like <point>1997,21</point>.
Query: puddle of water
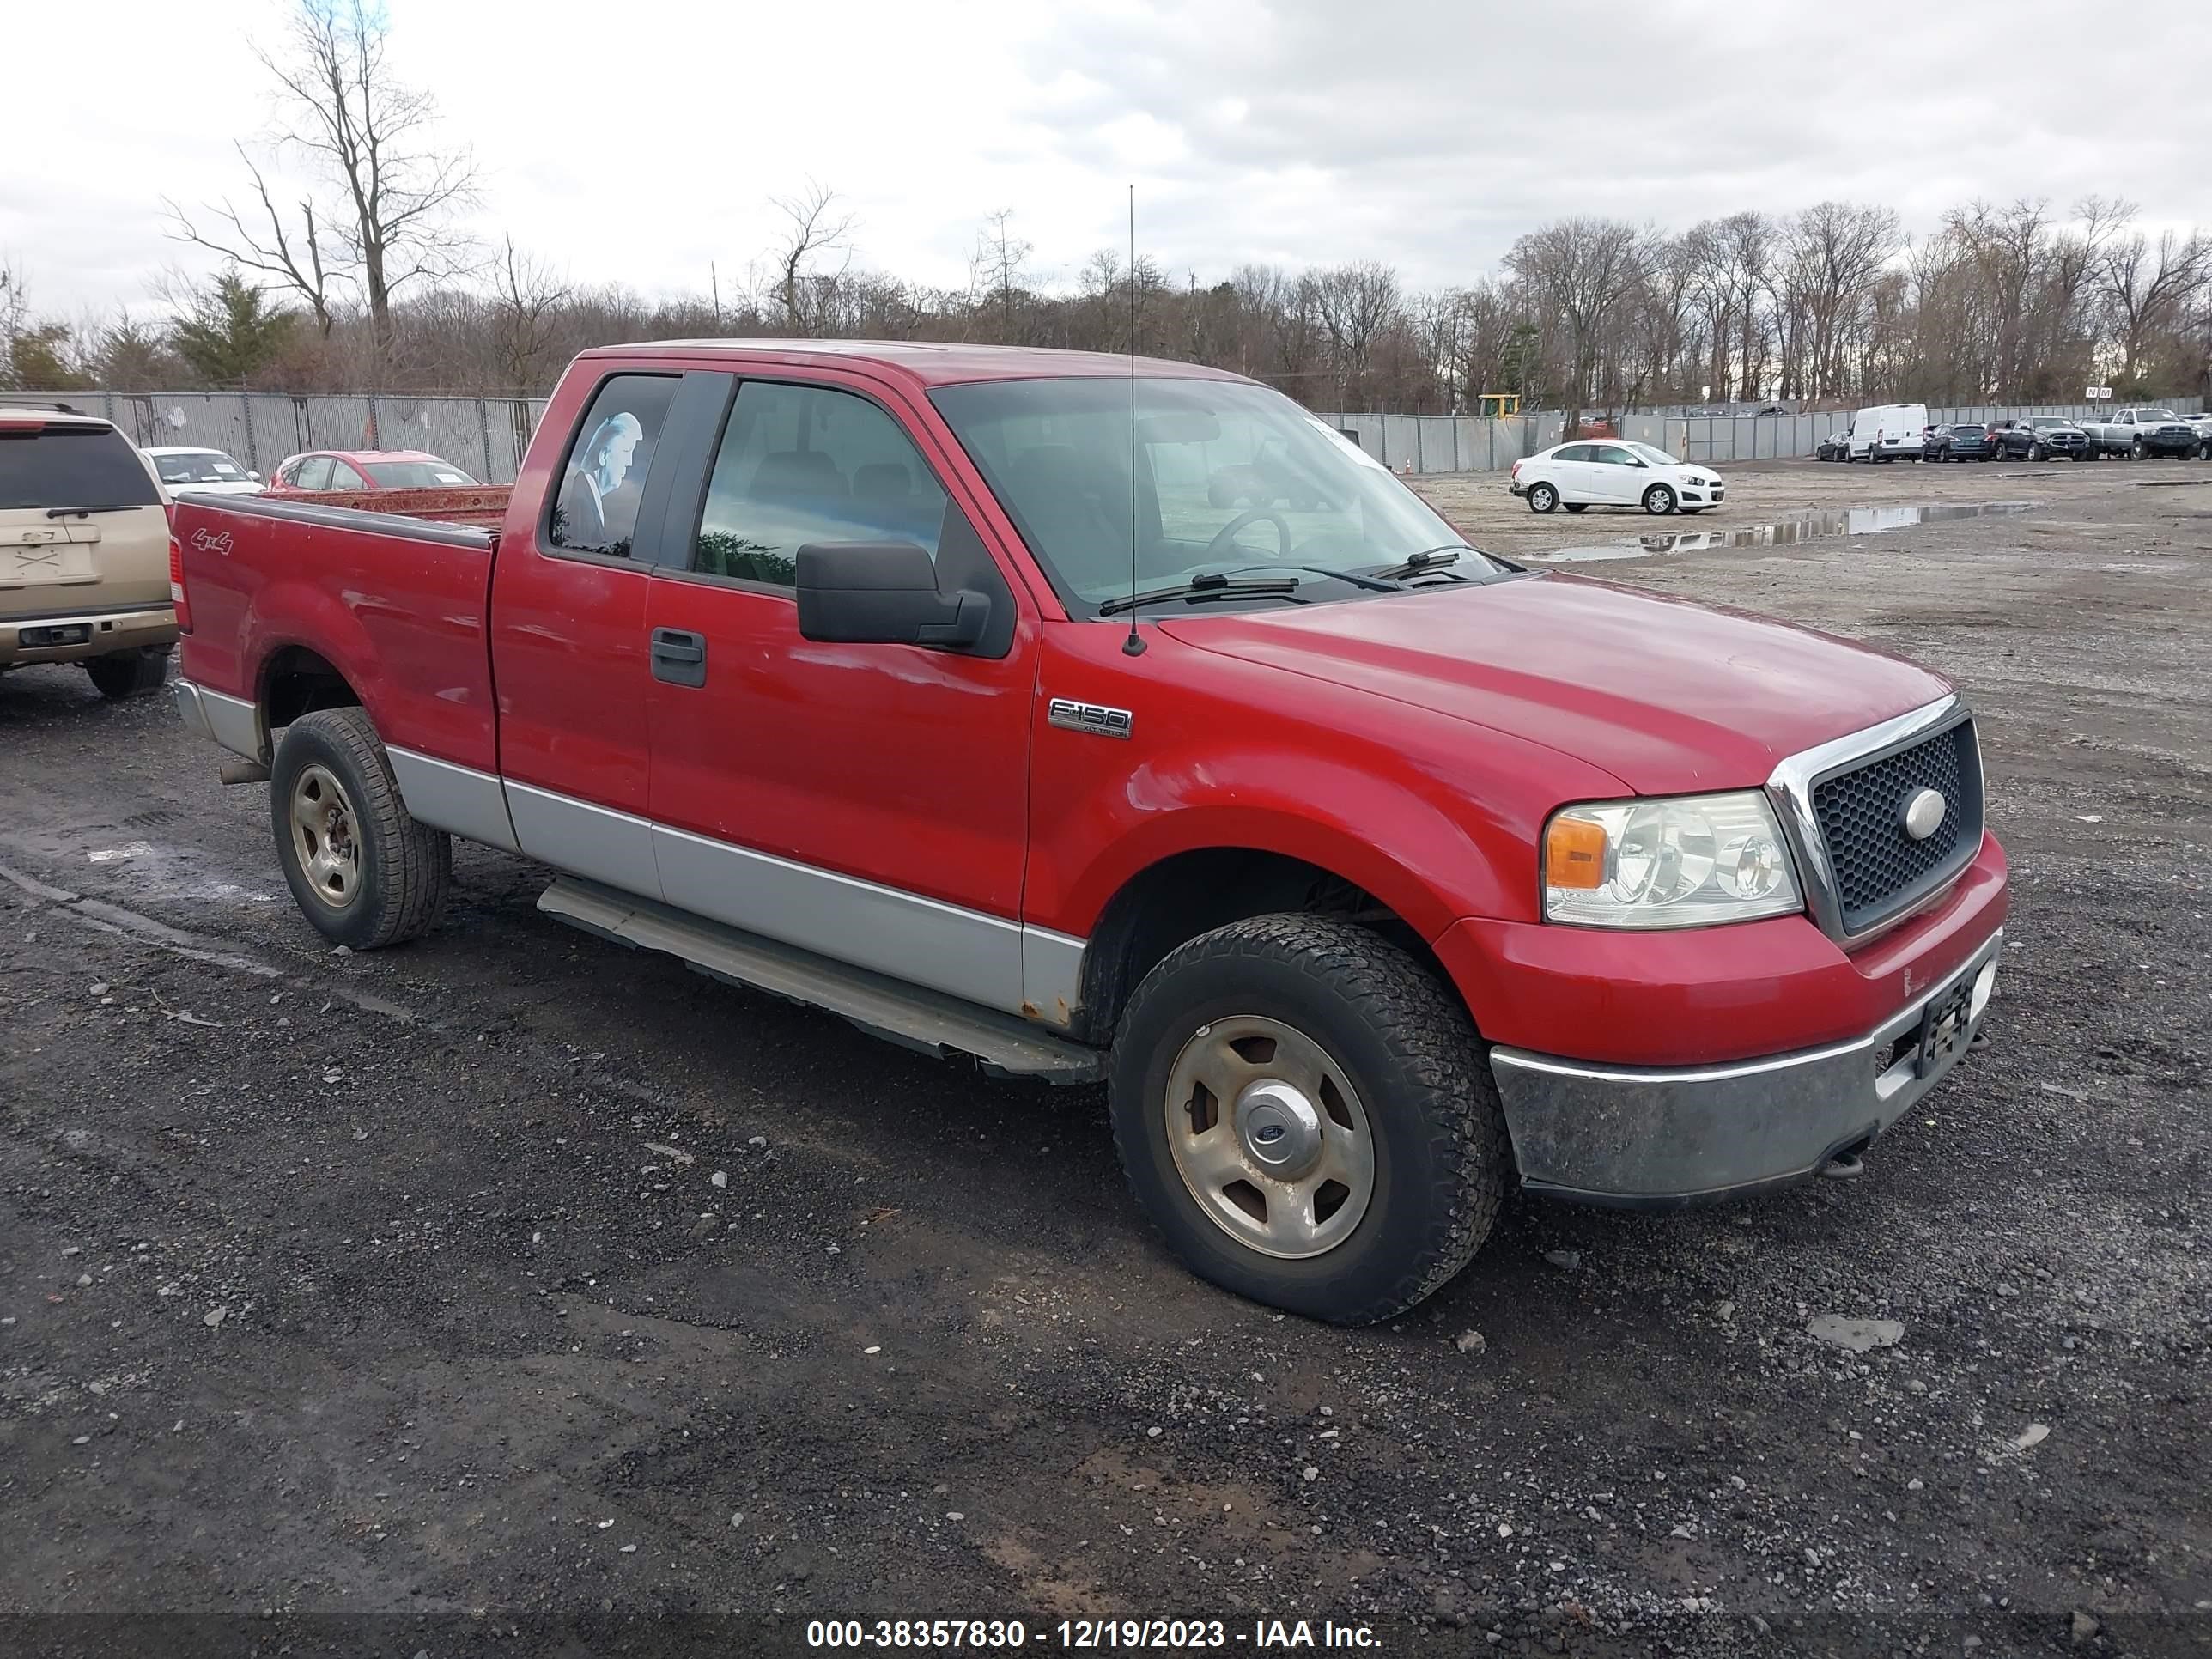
<point>1784,533</point>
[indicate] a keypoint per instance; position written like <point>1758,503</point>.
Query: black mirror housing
<point>884,593</point>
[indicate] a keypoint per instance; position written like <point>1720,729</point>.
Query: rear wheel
<point>1542,498</point>
<point>359,866</point>
<point>128,673</point>
<point>1659,500</point>
<point>1307,1116</point>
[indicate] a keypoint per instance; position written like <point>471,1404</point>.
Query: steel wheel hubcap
<point>323,837</point>
<point>1269,1136</point>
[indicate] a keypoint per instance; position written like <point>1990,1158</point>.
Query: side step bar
<point>927,1021</point>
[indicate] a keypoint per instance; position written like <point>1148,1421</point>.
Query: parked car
<point>2201,424</point>
<point>1965,441</point>
<point>323,470</point>
<point>2041,437</point>
<point>1581,476</point>
<point>1888,431</point>
<point>209,471</point>
<point>86,560</point>
<point>1368,869</point>
<point>1836,447</point>
<point>2142,432</point>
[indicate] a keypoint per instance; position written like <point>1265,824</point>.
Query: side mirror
<point>883,594</point>
<point>256,476</point>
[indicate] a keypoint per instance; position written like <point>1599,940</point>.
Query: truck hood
<point>1668,695</point>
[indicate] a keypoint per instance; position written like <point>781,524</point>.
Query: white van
<point>1887,432</point>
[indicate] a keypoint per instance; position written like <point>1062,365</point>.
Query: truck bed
<point>398,605</point>
<point>483,505</point>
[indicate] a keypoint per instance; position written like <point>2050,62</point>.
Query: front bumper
<point>1668,1136</point>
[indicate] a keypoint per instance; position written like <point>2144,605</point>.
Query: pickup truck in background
<point>1127,724</point>
<point>2141,433</point>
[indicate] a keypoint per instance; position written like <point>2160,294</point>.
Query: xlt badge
<point>1094,717</point>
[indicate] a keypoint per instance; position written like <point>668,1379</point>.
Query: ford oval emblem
<point>1923,814</point>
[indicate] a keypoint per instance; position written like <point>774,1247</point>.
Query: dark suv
<point>1958,443</point>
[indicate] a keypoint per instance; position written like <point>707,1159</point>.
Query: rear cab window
<point>594,511</point>
<point>56,463</point>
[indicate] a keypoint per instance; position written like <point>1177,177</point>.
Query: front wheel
<point>2039,454</point>
<point>2136,451</point>
<point>1659,500</point>
<point>1305,1114</point>
<point>128,673</point>
<point>1542,498</point>
<point>1576,507</point>
<point>359,866</point>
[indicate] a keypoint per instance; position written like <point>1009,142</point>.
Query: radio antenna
<point>1134,644</point>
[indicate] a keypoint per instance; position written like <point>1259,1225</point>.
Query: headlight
<point>1684,863</point>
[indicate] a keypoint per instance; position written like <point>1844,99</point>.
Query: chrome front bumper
<point>1666,1136</point>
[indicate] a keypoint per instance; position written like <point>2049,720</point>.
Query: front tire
<point>2136,450</point>
<point>1659,500</point>
<point>1576,507</point>
<point>1542,498</point>
<point>360,868</point>
<point>1306,1115</point>
<point>128,673</point>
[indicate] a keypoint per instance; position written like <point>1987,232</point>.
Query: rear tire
<point>1542,498</point>
<point>1393,1051</point>
<point>360,868</point>
<point>128,673</point>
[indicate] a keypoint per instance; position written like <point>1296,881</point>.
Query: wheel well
<point>297,682</point>
<point>1173,901</point>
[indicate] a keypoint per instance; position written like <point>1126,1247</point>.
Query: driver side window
<point>1613,455</point>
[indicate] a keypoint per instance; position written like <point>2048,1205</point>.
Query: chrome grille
<point>1878,869</point>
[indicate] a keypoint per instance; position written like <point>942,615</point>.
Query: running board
<point>927,1021</point>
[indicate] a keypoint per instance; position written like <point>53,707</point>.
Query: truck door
<point>568,637</point>
<point>868,802</point>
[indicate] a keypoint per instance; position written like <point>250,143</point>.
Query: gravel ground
<point>513,1292</point>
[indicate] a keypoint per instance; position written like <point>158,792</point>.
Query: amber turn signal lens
<point>1574,853</point>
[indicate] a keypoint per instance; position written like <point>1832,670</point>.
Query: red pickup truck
<point>943,687</point>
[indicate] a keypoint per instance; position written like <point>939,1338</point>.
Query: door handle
<point>679,656</point>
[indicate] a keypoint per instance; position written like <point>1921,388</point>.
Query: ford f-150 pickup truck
<point>1125,723</point>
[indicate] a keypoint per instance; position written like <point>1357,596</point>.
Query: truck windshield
<point>65,465</point>
<point>1221,476</point>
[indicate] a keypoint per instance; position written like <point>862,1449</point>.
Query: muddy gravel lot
<point>512,1292</point>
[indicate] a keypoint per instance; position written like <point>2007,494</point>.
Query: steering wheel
<point>1225,538</point>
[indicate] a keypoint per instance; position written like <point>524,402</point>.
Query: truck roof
<point>925,362</point>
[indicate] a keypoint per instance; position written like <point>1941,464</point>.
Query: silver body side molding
<point>460,799</point>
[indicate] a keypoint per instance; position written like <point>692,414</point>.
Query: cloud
<point>641,144</point>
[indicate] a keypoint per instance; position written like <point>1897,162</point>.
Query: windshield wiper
<point>1368,581</point>
<point>65,512</point>
<point>1210,585</point>
<point>1434,558</point>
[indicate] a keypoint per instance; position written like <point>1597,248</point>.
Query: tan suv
<point>84,550</point>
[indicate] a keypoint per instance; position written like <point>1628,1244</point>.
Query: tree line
<point>367,282</point>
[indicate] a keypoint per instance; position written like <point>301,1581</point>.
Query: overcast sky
<point>640,141</point>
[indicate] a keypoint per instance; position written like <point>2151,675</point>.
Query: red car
<point>323,471</point>
<point>1369,871</point>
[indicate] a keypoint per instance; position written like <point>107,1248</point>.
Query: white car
<point>1615,473</point>
<point>202,472</point>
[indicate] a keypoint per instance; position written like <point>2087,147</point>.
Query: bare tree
<point>998,263</point>
<point>1834,252</point>
<point>2148,289</point>
<point>1582,268</point>
<point>525,318</point>
<point>294,258</point>
<point>372,134</point>
<point>814,229</point>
